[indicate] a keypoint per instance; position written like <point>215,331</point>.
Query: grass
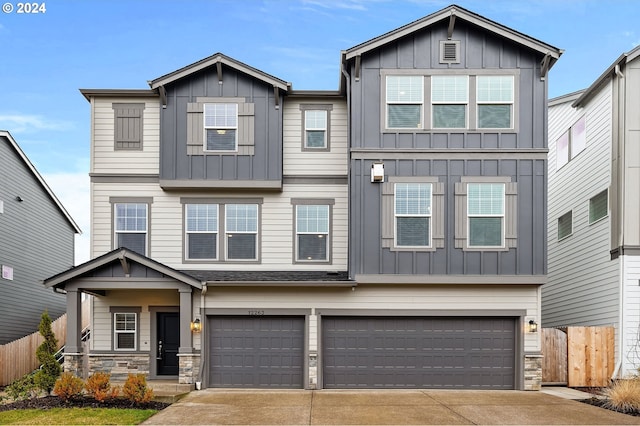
<point>76,416</point>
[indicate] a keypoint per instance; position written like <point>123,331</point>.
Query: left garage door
<point>256,351</point>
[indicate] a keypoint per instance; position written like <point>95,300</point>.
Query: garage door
<point>256,352</point>
<point>409,352</point>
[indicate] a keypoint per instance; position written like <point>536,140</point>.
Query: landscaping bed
<point>48,402</point>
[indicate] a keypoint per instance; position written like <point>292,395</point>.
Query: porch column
<point>73,344</point>
<point>186,339</point>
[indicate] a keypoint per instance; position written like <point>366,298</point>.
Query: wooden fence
<point>578,356</point>
<point>18,358</point>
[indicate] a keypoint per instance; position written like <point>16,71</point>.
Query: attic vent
<point>450,52</point>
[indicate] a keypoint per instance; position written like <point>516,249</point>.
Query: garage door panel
<point>369,352</point>
<point>261,351</point>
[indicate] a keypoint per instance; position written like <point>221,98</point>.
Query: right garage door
<point>424,352</point>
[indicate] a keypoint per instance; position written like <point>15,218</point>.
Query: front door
<point>168,343</point>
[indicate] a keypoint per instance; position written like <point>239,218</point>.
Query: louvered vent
<point>450,52</point>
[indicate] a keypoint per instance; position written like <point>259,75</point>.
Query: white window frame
<point>575,142</point>
<point>478,215</point>
<point>227,233</point>
<point>308,128</point>
<point>117,231</point>
<point>134,332</point>
<point>606,194</point>
<point>188,232</point>
<point>221,127</point>
<point>428,216</point>
<point>511,103</point>
<point>420,125</point>
<point>450,102</point>
<point>326,234</point>
<point>570,214</point>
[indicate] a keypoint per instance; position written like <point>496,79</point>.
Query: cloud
<point>72,189</point>
<point>336,4</point>
<point>24,123</point>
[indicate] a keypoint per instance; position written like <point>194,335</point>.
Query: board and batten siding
<point>297,161</point>
<point>275,229</point>
<point>105,158</point>
<point>36,240</point>
<point>583,283</point>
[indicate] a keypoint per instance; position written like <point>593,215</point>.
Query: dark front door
<point>168,343</point>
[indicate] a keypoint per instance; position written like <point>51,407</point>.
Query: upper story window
<point>312,232</point>
<point>220,127</point>
<point>404,101</point>
<point>449,100</point>
<point>571,143</point>
<point>565,225</point>
<point>315,125</point>
<point>201,231</point>
<point>127,118</point>
<point>485,211</point>
<point>599,206</point>
<point>413,214</point>
<point>482,100</point>
<point>241,227</point>
<point>131,226</point>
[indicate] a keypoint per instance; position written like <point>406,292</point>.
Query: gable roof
<point>215,59</point>
<point>121,255</point>
<point>456,12</point>
<point>613,69</point>
<point>4,134</point>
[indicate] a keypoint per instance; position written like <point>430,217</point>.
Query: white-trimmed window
<point>449,101</point>
<point>220,127</point>
<point>485,212</point>
<point>495,97</point>
<point>412,214</point>
<point>131,226</point>
<point>565,225</point>
<point>599,206</point>
<point>201,231</point>
<point>405,97</point>
<point>562,150</point>
<point>241,227</point>
<point>315,126</point>
<point>312,233</point>
<point>125,328</point>
<point>571,143</point>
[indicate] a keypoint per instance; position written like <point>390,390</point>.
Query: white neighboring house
<point>594,206</point>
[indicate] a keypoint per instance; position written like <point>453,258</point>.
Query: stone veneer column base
<point>73,363</point>
<point>188,368</point>
<point>119,365</point>
<point>533,372</point>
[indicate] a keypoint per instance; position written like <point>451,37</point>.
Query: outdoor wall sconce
<point>533,326</point>
<point>196,326</point>
<point>377,172</point>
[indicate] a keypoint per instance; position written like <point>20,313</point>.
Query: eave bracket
<point>544,66</point>
<point>452,22</point>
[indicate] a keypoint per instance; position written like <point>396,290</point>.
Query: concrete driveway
<point>398,407</point>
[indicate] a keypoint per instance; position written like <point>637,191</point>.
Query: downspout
<point>202,330</point>
<point>347,78</point>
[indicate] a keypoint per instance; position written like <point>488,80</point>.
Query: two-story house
<point>37,239</point>
<point>389,234</point>
<point>594,231</point>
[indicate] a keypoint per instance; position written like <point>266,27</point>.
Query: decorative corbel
<point>544,66</point>
<point>358,68</point>
<point>125,266</point>
<point>163,96</point>
<point>452,21</point>
<point>276,96</point>
<point>219,70</point>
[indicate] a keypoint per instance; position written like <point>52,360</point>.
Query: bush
<point>23,388</point>
<point>135,389</point>
<point>68,386</point>
<point>623,395</point>
<point>45,378</point>
<point>99,388</point>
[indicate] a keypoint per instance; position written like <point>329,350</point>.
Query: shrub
<point>68,386</point>
<point>99,388</point>
<point>23,388</point>
<point>45,377</point>
<point>623,395</point>
<point>135,389</point>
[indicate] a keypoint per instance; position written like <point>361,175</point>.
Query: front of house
<point>389,234</point>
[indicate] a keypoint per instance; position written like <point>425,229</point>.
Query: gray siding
<point>266,161</point>
<point>424,153</point>
<point>36,240</point>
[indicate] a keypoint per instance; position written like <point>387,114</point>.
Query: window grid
<point>485,214</point>
<point>241,221</point>
<point>495,97</point>
<point>412,214</point>
<point>202,231</point>
<point>312,221</point>
<point>125,328</point>
<point>405,97</point>
<point>220,124</point>
<point>131,226</point>
<point>315,129</point>
<point>449,101</point>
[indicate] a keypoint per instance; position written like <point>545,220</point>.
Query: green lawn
<point>76,416</point>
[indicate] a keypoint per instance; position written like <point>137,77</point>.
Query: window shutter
<point>511,214</point>
<point>195,127</point>
<point>461,214</point>
<point>128,126</point>
<point>437,215</point>
<point>246,131</point>
<point>387,214</point>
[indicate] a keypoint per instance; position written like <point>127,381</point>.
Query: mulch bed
<point>47,402</point>
<point>601,403</point>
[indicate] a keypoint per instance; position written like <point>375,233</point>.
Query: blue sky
<point>47,57</point>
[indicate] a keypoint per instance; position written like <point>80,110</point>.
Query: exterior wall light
<point>533,326</point>
<point>196,326</point>
<point>377,172</point>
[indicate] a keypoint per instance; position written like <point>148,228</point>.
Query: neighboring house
<point>388,234</point>
<point>36,240</point>
<point>594,205</point>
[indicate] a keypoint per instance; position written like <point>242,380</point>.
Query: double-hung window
<point>312,232</point>
<point>131,226</point>
<point>486,212</point>
<point>220,126</point>
<point>315,124</point>
<point>449,101</point>
<point>201,231</point>
<point>404,96</point>
<point>495,95</point>
<point>412,214</point>
<point>241,227</point>
<point>125,326</point>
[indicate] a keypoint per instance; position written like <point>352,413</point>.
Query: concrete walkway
<point>398,407</point>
